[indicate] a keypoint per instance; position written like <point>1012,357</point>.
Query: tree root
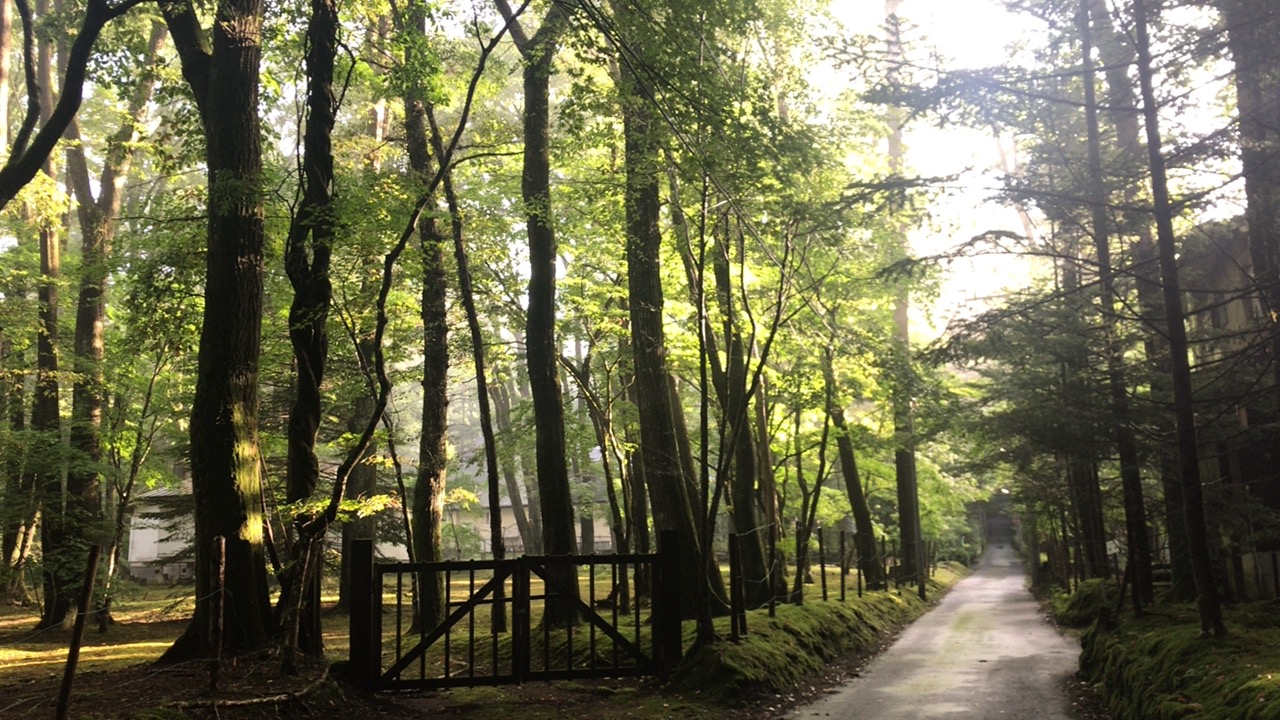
<point>215,703</point>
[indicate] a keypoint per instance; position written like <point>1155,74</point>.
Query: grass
<point>1158,667</point>
<point>116,680</point>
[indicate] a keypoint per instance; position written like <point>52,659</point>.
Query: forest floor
<point>117,678</point>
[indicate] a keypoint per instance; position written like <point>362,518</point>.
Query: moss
<point>1080,609</point>
<point>1158,667</point>
<point>779,652</point>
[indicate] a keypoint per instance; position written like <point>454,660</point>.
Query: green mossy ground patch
<point>779,652</point>
<point>1158,667</point>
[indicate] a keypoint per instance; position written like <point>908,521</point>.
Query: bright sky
<point>966,34</point>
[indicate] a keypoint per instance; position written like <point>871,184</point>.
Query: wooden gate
<point>501,625</point>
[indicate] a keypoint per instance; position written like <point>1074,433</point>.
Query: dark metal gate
<point>501,625</point>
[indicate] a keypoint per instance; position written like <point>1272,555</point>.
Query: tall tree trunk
<point>30,153</point>
<point>904,455</point>
<point>864,537</point>
<point>1252,29</point>
<point>363,480</point>
<point>542,353</point>
<point>225,461</point>
<point>97,217</point>
<point>1188,452</point>
<point>659,442</point>
<point>497,544</point>
<point>1117,56</point>
<point>22,501</point>
<point>530,536</point>
<point>738,441</point>
<point>1135,514</point>
<point>1079,467</point>
<point>63,520</point>
<point>6,48</point>
<point>307,255</point>
<point>428,493</point>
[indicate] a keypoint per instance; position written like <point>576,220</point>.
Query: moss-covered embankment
<point>1157,667</point>
<point>800,642</point>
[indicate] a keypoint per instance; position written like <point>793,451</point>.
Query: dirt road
<point>984,653</point>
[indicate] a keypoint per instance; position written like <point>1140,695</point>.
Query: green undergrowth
<point>780,652</point>
<point>1158,667</point>
<point>776,656</point>
<point>1079,609</point>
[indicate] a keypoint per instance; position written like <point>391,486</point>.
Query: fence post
<point>362,658</point>
<point>844,566</point>
<point>77,632</point>
<point>884,560</point>
<point>857,564</point>
<point>822,560</point>
<point>668,643</point>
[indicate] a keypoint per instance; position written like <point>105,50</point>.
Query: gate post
<point>365,651</point>
<point>521,649</point>
<point>667,631</point>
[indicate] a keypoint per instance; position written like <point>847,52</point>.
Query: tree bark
<point>308,250</point>
<point>904,455</point>
<point>28,155</point>
<point>738,443</point>
<point>530,537</point>
<point>497,543</point>
<point>225,461</point>
<point>1252,28</point>
<point>1207,602</point>
<point>1135,514</point>
<point>1121,101</point>
<point>428,493</point>
<point>673,507</point>
<point>64,519</point>
<point>542,353</point>
<point>864,537</point>
<point>97,217</point>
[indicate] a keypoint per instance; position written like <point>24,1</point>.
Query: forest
<point>324,272</point>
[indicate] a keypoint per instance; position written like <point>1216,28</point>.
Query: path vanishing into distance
<point>984,652</point>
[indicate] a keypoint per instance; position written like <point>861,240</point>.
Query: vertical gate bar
<point>547,591</point>
<point>617,600</point>
<point>399,613</point>
<point>568,656</point>
<point>499,597</point>
<point>375,620</point>
<point>471,622</point>
<point>591,593</point>
<point>822,560</point>
<point>493,632</point>
<point>448,633</point>
<point>547,630</point>
<point>360,621</point>
<point>636,605</point>
<point>520,612</point>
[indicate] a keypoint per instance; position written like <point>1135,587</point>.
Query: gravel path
<point>984,653</point>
